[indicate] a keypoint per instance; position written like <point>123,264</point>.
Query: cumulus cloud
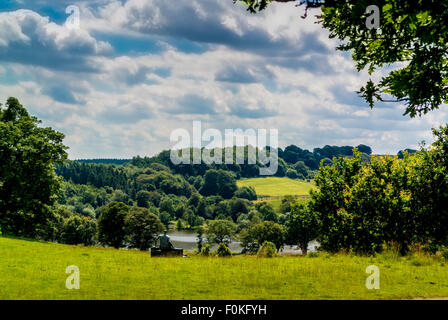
<point>29,38</point>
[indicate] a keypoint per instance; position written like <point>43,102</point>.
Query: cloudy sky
<point>136,70</point>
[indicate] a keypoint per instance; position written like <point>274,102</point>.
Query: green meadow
<point>36,270</point>
<point>276,187</point>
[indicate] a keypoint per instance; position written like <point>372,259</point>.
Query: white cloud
<point>295,81</point>
<point>27,37</point>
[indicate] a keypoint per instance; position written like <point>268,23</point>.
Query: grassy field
<point>274,186</point>
<point>36,270</point>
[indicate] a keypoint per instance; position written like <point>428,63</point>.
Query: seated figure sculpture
<point>165,247</point>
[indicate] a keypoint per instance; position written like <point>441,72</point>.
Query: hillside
<point>276,187</point>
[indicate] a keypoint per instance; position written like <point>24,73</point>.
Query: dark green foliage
<point>267,211</point>
<point>143,197</point>
<point>237,207</point>
<point>165,218</point>
<point>302,226</point>
<point>142,227</point>
<point>111,223</point>
<point>286,204</point>
<point>79,230</point>
<point>28,184</point>
<point>104,161</point>
<point>246,193</point>
<point>223,250</point>
<point>98,175</point>
<point>218,182</point>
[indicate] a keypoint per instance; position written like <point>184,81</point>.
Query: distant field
<point>275,187</point>
<point>36,270</point>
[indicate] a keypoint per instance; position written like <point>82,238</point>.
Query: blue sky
<point>136,70</point>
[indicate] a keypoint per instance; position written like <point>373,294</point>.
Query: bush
<point>312,255</point>
<point>205,251</point>
<point>267,250</point>
<point>223,251</point>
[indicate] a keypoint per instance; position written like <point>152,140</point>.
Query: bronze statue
<point>166,247</point>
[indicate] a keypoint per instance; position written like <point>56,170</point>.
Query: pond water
<point>187,240</point>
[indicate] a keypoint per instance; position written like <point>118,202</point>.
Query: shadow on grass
<point>14,237</point>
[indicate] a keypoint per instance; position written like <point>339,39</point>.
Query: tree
<point>79,230</point>
<point>429,185</point>
<point>238,207</point>
<point>409,35</point>
<point>143,197</point>
<point>199,235</point>
<point>292,174</point>
<point>142,228</point>
<point>253,236</point>
<point>165,218</point>
<point>287,202</point>
<point>301,227</point>
<point>111,224</point>
<point>28,184</point>
<point>218,182</point>
<point>246,193</point>
<point>220,231</point>
<point>301,168</point>
<point>360,207</point>
<point>267,211</point>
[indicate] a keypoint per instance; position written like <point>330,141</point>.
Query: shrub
<point>223,251</point>
<point>267,250</point>
<point>205,251</point>
<point>312,255</point>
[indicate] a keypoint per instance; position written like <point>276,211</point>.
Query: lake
<point>187,240</point>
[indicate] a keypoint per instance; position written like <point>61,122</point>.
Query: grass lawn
<point>36,270</point>
<point>274,186</point>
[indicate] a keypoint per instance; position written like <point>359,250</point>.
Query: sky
<point>136,70</point>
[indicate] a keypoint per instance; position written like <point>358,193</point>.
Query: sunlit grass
<point>274,186</point>
<point>36,270</point>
